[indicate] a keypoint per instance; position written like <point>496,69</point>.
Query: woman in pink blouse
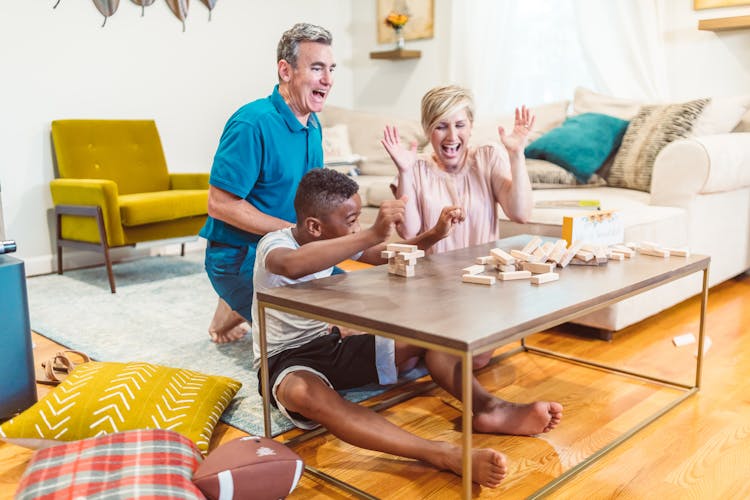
<point>455,173</point>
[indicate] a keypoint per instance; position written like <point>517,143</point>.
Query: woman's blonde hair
<point>440,102</point>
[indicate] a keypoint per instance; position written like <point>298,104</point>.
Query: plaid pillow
<point>154,463</point>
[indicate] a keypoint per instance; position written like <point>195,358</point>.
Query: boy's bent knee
<point>300,391</point>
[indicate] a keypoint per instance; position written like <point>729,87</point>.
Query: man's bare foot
<point>488,467</point>
<point>503,417</point>
<point>231,335</point>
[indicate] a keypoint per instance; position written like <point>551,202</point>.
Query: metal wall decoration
<point>178,7</point>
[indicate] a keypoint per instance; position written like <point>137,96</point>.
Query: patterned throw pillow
<point>547,175</point>
<point>154,463</point>
<point>649,131</point>
<point>581,144</point>
<point>102,398</point>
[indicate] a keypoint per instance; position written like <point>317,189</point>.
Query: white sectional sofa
<point>699,194</point>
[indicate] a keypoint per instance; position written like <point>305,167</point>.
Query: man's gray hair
<point>288,48</point>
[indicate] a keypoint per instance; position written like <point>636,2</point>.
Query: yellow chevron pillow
<point>102,398</point>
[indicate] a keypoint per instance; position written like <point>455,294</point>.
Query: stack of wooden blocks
<point>402,258</point>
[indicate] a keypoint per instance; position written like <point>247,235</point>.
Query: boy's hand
<point>390,214</point>
<point>449,217</point>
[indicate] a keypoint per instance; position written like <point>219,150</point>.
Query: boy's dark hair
<point>320,191</point>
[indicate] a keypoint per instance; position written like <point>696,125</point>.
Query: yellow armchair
<point>113,188</point>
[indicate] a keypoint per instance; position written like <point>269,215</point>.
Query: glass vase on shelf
<point>399,37</point>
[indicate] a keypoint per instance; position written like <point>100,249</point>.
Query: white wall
<point>62,64</point>
<point>705,63</point>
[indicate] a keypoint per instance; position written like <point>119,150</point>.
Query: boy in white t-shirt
<point>308,360</point>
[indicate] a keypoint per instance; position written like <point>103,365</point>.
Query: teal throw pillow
<point>581,144</point>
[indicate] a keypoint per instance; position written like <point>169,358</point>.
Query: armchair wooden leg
<point>182,250</point>
<point>102,246</point>
<point>110,274</point>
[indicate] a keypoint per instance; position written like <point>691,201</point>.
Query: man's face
<point>343,220</point>
<point>310,82</point>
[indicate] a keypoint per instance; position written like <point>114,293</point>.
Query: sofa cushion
<point>546,175</point>
<point>336,144</point>
<point>101,398</point>
<point>581,144</point>
<point>547,116</point>
<point>721,115</point>
<point>366,131</point>
<point>588,101</point>
<point>160,206</point>
<point>155,463</point>
<point>648,132</point>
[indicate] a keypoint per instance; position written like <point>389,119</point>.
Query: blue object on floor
<point>17,380</point>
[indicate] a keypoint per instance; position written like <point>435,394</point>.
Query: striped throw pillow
<point>653,127</point>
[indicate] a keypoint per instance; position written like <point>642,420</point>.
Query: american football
<point>249,467</point>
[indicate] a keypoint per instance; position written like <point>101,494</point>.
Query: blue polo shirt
<point>263,153</point>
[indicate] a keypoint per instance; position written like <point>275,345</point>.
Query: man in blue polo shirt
<point>265,149</point>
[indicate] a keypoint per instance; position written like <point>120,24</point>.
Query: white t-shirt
<point>283,330</point>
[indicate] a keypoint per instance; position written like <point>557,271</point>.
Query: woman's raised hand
<point>402,157</point>
<point>516,141</point>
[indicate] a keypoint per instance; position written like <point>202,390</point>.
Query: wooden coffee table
<point>436,310</point>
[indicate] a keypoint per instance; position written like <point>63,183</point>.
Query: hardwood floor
<point>700,449</point>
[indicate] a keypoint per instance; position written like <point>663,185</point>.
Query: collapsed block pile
<point>538,260</point>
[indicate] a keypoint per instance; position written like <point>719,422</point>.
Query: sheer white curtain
<point>535,51</point>
<point>623,45</point>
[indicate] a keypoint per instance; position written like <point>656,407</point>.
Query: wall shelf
<point>396,54</point>
<point>724,23</point>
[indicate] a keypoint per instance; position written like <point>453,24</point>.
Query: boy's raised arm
<point>315,256</point>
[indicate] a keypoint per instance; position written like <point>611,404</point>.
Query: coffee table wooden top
<point>435,306</point>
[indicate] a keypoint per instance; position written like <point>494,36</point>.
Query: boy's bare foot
<point>488,467</point>
<point>503,417</point>
<point>231,335</point>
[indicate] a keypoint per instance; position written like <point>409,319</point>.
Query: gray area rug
<point>160,314</point>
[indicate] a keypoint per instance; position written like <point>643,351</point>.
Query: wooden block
<point>548,247</point>
<point>506,267</point>
<point>584,256</point>
<point>649,245</point>
<point>544,278</point>
<point>410,255</point>
<point>570,253</point>
<point>401,247</point>
<point>575,261</point>
<point>655,252</point>
<point>558,251</point>
<point>387,254</point>
<point>487,259</point>
<point>616,256</point>
<point>479,279</point>
<point>514,275</point>
<point>532,245</point>
<point>526,257</point>
<point>475,269</point>
<point>540,255</point>
<point>684,339</point>
<point>405,271</point>
<point>626,251</point>
<point>537,267</point>
<point>706,346</point>
<point>678,252</point>
<point>502,256</point>
<point>392,266</point>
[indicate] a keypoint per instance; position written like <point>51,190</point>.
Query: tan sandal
<point>70,362</point>
<point>49,376</point>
